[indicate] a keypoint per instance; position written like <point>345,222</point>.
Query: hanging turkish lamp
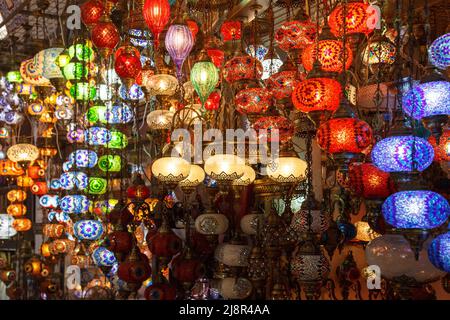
<point>231,30</point>
<point>429,101</point>
<point>242,68</point>
<point>282,83</point>
<point>414,213</point>
<point>179,42</point>
<point>156,14</point>
<point>91,12</point>
<point>439,52</point>
<point>439,252</point>
<point>353,19</point>
<point>402,154</point>
<point>369,182</point>
<point>441,149</point>
<point>204,77</point>
<point>344,136</point>
<point>127,64</point>
<point>310,267</point>
<point>295,35</point>
<point>329,52</point>
<point>105,36</point>
<point>318,96</point>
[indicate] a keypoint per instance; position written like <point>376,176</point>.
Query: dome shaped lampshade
<point>179,42</point>
<point>88,230</point>
<point>439,52</point>
<point>224,167</point>
<point>439,252</point>
<point>161,84</point>
<point>160,119</point>
<point>287,170</point>
<point>171,169</point>
<point>195,177</point>
<point>393,254</point>
<point>317,94</point>
<point>427,99</point>
<point>416,209</point>
<point>395,154</point>
<point>247,178</point>
<point>23,153</point>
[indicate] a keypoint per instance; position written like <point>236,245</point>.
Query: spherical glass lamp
<point>439,252</point>
<point>224,167</point>
<point>402,154</point>
<point>156,15</point>
<point>377,52</point>
<point>355,21</point>
<point>161,85</point>
<point>171,169</point>
<point>366,180</point>
<point>427,99</point>
<point>317,94</point>
<point>242,68</point>
<point>253,100</point>
<point>393,254</point>
<point>417,209</point>
<point>103,257</point>
<point>329,55</point>
<point>23,153</point>
<point>287,170</point>
<point>439,52</point>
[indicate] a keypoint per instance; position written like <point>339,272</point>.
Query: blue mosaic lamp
<point>74,204</point>
<point>427,99</point>
<point>439,252</point>
<point>83,158</point>
<point>98,136</point>
<point>103,257</point>
<point>402,154</point>
<point>88,230</point>
<point>416,209</point>
<point>439,52</point>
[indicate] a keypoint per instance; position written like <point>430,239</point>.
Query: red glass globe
<point>164,244</point>
<point>344,135</point>
<point>295,35</point>
<point>135,269</point>
<point>282,83</point>
<point>231,30</point>
<point>253,100</point>
<point>330,56</point>
<point>127,63</point>
<point>91,12</point>
<point>192,25</point>
<point>369,182</point>
<point>217,56</point>
<point>285,128</point>
<point>317,94</point>
<point>356,20</point>
<point>105,36</point>
<point>213,101</point>
<point>441,149</point>
<point>156,15</point>
<point>242,68</point>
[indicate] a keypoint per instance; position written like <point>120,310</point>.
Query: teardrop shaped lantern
<point>179,42</point>
<point>204,77</point>
<point>156,14</point>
